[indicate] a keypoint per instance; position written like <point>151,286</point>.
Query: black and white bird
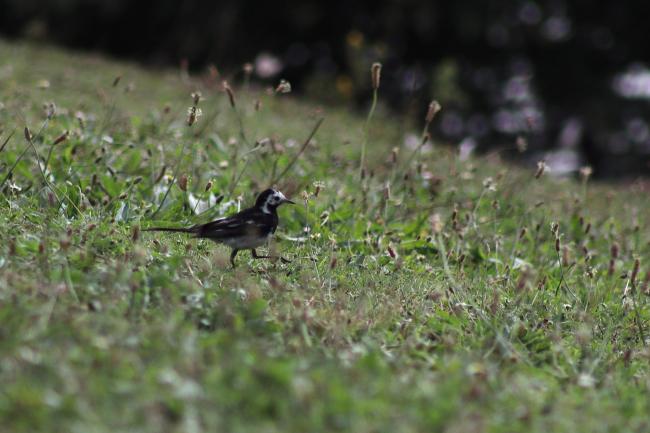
<point>246,230</point>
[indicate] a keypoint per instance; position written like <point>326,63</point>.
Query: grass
<point>438,294</point>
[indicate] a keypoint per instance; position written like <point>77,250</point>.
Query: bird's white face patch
<point>274,199</point>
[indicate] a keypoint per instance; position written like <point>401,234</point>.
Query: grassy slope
<point>463,330</point>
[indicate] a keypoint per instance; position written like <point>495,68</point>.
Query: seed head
<point>182,182</point>
<point>393,155</point>
<point>231,94</point>
<point>61,138</point>
<point>160,176</point>
<point>375,73</point>
<point>434,108</point>
<point>283,87</point>
<point>196,97</point>
<point>488,184</point>
<point>193,113</point>
<point>541,168</point>
<point>585,173</point>
<point>49,108</point>
<point>318,186</point>
<point>555,227</point>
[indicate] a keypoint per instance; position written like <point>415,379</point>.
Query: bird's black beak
<point>286,200</point>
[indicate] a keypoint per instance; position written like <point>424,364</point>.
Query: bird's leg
<point>232,257</point>
<point>255,256</point>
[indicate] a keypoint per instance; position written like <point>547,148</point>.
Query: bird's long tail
<point>170,229</point>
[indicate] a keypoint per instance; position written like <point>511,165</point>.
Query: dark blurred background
<point>570,77</point>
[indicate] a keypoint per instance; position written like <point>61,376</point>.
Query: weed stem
<point>178,165</point>
<point>366,133</point>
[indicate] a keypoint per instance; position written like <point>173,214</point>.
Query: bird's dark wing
<point>249,222</point>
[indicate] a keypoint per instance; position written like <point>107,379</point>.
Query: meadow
<point>427,292</point>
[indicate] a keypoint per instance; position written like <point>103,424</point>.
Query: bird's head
<point>270,199</point>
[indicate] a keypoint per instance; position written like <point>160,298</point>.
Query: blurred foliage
<point>543,69</point>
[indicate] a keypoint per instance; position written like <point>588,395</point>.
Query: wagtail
<point>246,230</point>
